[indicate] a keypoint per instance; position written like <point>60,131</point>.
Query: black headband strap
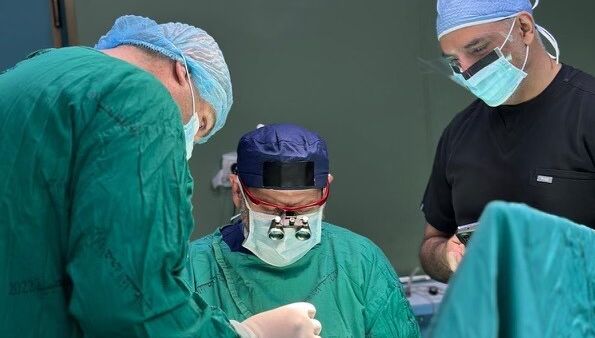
<point>288,174</point>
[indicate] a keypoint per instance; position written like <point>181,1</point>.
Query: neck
<point>541,71</point>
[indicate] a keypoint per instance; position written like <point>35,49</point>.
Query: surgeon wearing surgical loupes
<point>280,250</point>
<point>527,138</point>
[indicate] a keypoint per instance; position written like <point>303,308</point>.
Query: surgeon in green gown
<point>95,211</point>
<point>259,261</point>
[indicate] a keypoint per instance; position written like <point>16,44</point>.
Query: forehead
<point>467,37</point>
<point>289,197</point>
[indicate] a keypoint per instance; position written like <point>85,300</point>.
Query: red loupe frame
<point>325,194</point>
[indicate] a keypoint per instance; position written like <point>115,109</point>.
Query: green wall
<point>350,71</point>
<point>25,26</point>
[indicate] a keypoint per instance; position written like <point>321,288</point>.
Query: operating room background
<point>349,70</point>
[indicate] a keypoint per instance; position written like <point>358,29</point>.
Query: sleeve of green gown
<point>387,313</point>
<point>131,221</point>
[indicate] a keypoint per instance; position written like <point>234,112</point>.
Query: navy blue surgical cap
<point>282,156</point>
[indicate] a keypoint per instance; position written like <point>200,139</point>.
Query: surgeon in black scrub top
<point>529,137</point>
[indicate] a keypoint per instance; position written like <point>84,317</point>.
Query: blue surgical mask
<point>193,125</point>
<point>495,83</point>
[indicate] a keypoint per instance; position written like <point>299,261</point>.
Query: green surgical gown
<point>95,210</point>
<point>526,274</point>
<point>353,286</point>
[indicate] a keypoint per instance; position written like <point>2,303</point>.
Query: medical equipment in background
<point>424,295</point>
<point>221,179</point>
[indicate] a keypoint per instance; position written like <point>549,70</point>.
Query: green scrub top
<point>95,210</point>
<point>347,277</point>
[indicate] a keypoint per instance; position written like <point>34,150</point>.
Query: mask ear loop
<point>245,227</point>
<point>550,38</point>
<point>526,53</point>
<point>244,198</point>
<point>508,35</point>
<point>194,114</point>
<point>191,92</point>
<point>505,41</point>
<point>526,58</point>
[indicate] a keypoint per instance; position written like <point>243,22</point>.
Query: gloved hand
<point>290,321</point>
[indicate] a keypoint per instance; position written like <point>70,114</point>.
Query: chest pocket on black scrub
<point>570,194</point>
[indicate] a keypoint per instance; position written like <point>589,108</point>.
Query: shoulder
<point>361,259</point>
<point>93,82</point>
<point>201,258</point>
<point>345,243</point>
<point>579,90</point>
<point>199,264</point>
<point>135,97</point>
<point>203,245</point>
<point>580,80</point>
<point>129,95</point>
<point>345,236</point>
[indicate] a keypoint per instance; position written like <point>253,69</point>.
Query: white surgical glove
<point>290,321</point>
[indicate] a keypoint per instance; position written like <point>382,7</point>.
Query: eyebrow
<point>476,42</point>
<point>470,45</point>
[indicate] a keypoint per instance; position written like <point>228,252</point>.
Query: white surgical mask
<point>193,125</point>
<point>285,251</point>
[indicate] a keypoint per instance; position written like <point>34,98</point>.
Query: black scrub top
<point>540,152</point>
